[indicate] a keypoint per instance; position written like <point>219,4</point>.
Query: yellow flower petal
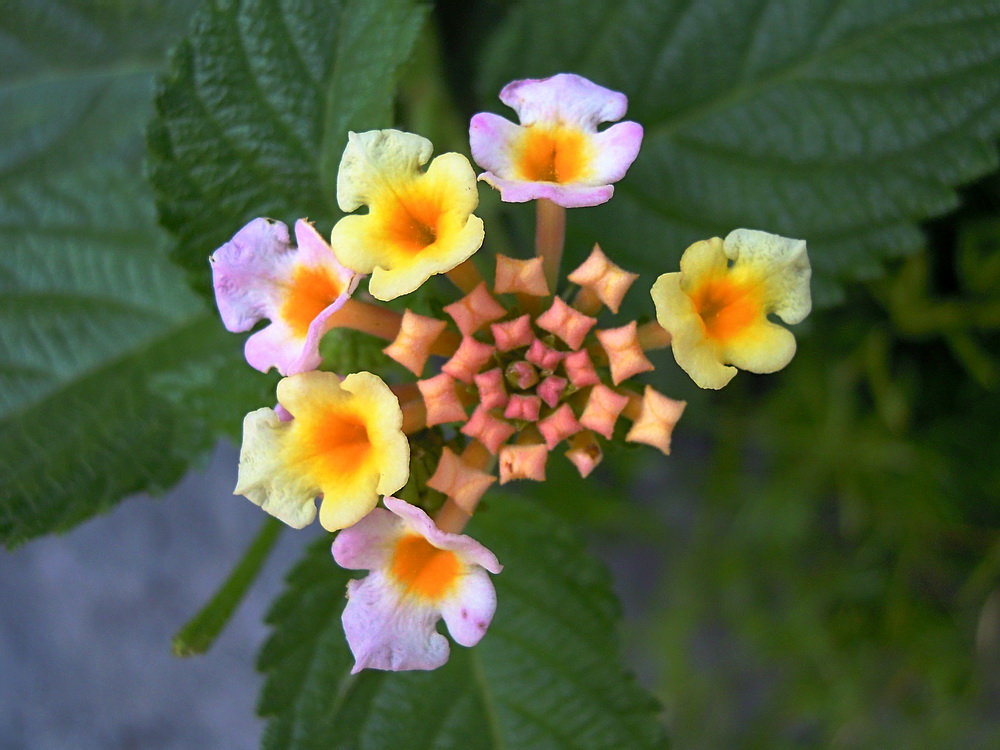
<point>418,223</point>
<point>344,442</point>
<point>717,313</point>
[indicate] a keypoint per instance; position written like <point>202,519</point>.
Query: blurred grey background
<point>87,621</point>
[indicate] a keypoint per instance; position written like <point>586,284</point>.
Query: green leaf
<point>91,312</point>
<point>841,122</point>
<point>545,676</point>
<point>254,113</point>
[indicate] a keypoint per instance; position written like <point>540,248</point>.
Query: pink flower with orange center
<point>556,152</point>
<point>418,575</point>
<point>259,274</point>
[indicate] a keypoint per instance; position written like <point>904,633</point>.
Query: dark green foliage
<point>254,112</point>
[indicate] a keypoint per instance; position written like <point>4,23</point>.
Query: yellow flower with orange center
<point>344,443</point>
<point>716,308</point>
<point>419,223</point>
<point>419,575</point>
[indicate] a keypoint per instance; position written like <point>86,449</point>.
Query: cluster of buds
<point>523,367</point>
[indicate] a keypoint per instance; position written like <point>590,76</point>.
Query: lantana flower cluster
<point>517,367</point>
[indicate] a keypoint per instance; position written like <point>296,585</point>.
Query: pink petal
<point>387,633</point>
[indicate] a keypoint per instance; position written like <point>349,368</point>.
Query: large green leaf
<point>841,122</point>
<point>91,312</point>
<point>545,676</point>
<point>254,113</point>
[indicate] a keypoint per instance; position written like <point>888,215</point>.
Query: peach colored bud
<point>412,345</point>
<point>580,369</point>
<point>607,281</point>
<point>624,352</point>
<point>585,452</point>
<point>524,408</point>
<point>492,394</point>
<point>474,310</point>
<point>459,481</point>
<point>523,462</point>
<point>656,419</point>
<point>602,410</point>
<point>487,429</point>
<point>558,426</point>
<point>521,374</point>
<point>520,277</point>
<point>551,389</point>
<point>512,334</point>
<point>545,357</point>
<point>441,400</point>
<point>468,360</point>
<point>572,326</point>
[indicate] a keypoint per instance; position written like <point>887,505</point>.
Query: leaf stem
<point>200,632</point>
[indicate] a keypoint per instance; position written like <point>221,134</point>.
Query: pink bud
<point>492,394</point>
<point>558,426</point>
<point>521,374</point>
<point>520,277</point>
<point>523,462</point>
<point>487,429</point>
<point>624,352</point>
<point>459,481</point>
<point>545,357</point>
<point>468,360</point>
<point>475,310</point>
<point>580,369</point>
<point>523,408</point>
<point>572,326</point>
<point>512,334</point>
<point>412,345</point>
<point>585,452</point>
<point>655,422</point>
<point>608,282</point>
<point>551,390</point>
<point>602,410</point>
<point>441,400</point>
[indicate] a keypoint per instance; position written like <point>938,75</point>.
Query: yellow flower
<point>344,442</point>
<point>418,223</point>
<point>716,313</point>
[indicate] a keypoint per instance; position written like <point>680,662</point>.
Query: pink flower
<point>556,152</point>
<point>259,274</point>
<point>419,575</point>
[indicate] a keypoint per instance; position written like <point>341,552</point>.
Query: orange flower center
<point>339,444</point>
<point>553,155</point>
<point>413,223</point>
<point>726,308</point>
<point>309,293</point>
<point>424,569</point>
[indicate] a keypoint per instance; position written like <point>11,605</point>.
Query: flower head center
<point>423,569</point>
<point>555,154</point>
<point>311,291</point>
<point>726,308</point>
<point>338,442</point>
<point>413,224</point>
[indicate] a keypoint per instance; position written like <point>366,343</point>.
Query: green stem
<point>200,632</point>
